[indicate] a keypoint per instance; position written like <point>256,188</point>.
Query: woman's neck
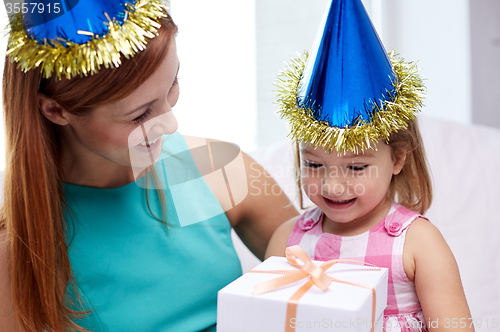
<point>94,171</point>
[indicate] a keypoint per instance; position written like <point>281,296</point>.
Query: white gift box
<point>342,307</point>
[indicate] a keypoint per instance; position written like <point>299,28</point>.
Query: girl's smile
<point>339,204</point>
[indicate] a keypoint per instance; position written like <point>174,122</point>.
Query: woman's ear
<point>399,161</point>
<point>52,110</point>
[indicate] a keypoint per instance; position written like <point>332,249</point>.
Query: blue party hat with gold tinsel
<point>69,38</point>
<point>348,92</point>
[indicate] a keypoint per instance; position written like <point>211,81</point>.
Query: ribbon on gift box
<point>317,276</point>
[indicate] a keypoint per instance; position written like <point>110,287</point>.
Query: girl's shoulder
<point>400,218</point>
<point>279,240</point>
<point>301,223</point>
<point>309,219</point>
<point>421,231</point>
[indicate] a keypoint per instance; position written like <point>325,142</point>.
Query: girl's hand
<point>428,261</point>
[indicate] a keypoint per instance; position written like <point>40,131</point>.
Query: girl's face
<point>111,135</point>
<point>351,187</point>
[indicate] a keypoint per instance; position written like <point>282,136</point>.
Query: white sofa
<point>465,166</point>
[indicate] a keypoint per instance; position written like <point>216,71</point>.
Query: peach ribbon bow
<point>317,276</point>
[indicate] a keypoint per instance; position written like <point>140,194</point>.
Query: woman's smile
<point>149,146</point>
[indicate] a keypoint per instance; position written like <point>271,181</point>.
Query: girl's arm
<point>436,277</point>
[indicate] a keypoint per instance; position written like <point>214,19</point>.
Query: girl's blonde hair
<point>32,213</point>
<point>412,187</point>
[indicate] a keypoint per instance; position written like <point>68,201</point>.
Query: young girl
<point>366,172</point>
<point>356,217</point>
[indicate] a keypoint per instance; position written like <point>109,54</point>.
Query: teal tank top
<point>134,273</point>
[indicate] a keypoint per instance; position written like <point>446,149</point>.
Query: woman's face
<point>112,134</point>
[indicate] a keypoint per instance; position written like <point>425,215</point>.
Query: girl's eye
<point>357,168</point>
<point>142,117</point>
<point>311,164</point>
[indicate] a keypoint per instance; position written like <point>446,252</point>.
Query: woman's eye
<point>311,164</point>
<point>142,117</point>
<point>357,168</point>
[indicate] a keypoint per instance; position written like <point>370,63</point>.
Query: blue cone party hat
<point>69,38</point>
<point>348,92</point>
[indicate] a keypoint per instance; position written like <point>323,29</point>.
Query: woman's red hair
<point>32,214</point>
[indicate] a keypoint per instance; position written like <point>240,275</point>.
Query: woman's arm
<point>264,209</point>
<point>265,205</point>
<point>7,318</point>
<point>437,279</point>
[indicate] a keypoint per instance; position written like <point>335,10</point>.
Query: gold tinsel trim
<point>387,117</point>
<point>141,22</point>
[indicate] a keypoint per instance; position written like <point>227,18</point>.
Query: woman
<point>83,246</point>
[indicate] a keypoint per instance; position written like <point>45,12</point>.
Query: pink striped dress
<point>382,246</point>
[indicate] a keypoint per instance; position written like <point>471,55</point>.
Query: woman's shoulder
<point>193,142</point>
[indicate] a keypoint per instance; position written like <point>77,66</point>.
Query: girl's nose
<point>333,186</point>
